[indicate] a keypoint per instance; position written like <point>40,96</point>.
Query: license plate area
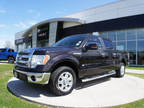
<point>22,76</point>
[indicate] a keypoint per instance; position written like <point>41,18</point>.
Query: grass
<point>7,100</point>
<point>136,75</point>
<point>137,68</point>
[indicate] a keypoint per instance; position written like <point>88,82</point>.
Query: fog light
<point>33,78</point>
<point>16,74</point>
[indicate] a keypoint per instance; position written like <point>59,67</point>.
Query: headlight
<point>17,58</point>
<point>39,60</point>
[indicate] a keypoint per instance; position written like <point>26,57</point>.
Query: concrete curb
<point>135,71</point>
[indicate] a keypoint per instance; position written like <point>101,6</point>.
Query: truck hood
<point>48,50</point>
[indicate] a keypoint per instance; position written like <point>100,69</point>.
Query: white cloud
<point>2,25</point>
<point>21,24</point>
<point>3,11</point>
<point>34,12</point>
<point>38,14</point>
<point>25,25</point>
<point>30,11</point>
<point>32,22</point>
<point>2,44</point>
<point>61,11</point>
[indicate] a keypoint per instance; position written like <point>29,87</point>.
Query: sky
<point>18,15</point>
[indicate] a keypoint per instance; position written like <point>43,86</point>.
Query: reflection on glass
<point>121,35</point>
<point>132,58</point>
<point>141,52</point>
<point>104,35</point>
<point>140,34</point>
<point>131,34</point>
<point>131,47</point>
<point>121,46</point>
<point>114,45</point>
<point>42,43</point>
<point>112,36</point>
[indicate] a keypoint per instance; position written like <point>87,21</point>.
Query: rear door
<point>109,55</point>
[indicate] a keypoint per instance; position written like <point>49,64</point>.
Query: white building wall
<point>113,10</point>
<point>70,24</point>
<point>34,37</point>
<point>52,32</point>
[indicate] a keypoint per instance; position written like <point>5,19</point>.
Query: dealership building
<point>121,21</point>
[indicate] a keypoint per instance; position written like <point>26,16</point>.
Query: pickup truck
<point>8,54</point>
<point>77,58</point>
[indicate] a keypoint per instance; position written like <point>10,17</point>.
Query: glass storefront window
<point>112,36</point>
<point>131,34</point>
<point>130,40</point>
<point>121,35</point>
<point>42,43</point>
<point>21,47</point>
<point>28,45</point>
<point>121,46</point>
<point>140,52</point>
<point>104,35</point>
<point>132,58</point>
<point>131,48</point>
<point>114,44</point>
<point>140,34</point>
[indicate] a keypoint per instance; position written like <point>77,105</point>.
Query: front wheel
<point>62,81</point>
<point>121,71</point>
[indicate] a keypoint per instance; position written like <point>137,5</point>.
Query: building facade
<point>121,21</point>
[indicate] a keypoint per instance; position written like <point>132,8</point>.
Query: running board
<point>98,77</point>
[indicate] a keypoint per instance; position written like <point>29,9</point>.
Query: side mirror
<point>92,46</point>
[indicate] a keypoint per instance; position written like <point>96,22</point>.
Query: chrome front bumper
<point>33,77</point>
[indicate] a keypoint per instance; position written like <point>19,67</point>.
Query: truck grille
<point>23,59</point>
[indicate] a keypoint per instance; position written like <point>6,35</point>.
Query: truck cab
<point>78,57</point>
<point>8,54</point>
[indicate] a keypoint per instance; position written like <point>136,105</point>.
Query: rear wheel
<point>121,71</point>
<point>62,81</point>
<point>10,60</point>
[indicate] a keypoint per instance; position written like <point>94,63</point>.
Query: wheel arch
<point>10,56</point>
<point>70,63</point>
<point>123,61</point>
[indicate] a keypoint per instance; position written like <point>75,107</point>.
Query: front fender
<point>62,58</point>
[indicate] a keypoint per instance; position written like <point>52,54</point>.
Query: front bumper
<point>32,77</point>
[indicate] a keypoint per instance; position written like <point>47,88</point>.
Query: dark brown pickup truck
<point>78,57</point>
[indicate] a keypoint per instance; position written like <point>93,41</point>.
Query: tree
<point>9,44</point>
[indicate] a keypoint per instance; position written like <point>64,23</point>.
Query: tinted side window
<point>10,50</point>
<point>2,50</point>
<point>108,44</point>
<point>94,39</point>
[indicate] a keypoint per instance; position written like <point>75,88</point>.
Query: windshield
<point>2,50</point>
<point>72,41</point>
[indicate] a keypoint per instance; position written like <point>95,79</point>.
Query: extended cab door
<point>108,55</point>
<point>91,59</point>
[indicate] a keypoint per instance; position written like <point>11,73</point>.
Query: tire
<point>10,60</point>
<point>59,82</point>
<point>121,71</point>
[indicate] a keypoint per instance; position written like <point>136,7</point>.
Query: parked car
<point>74,58</point>
<point>8,54</point>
